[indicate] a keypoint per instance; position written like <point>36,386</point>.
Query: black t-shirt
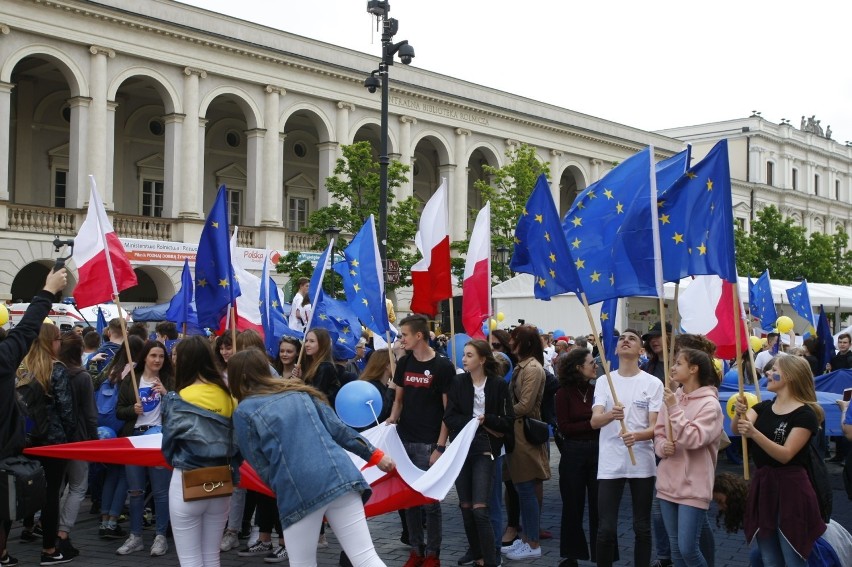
<point>778,427</point>
<point>424,384</point>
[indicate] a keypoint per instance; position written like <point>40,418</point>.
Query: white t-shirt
<point>762,359</point>
<point>549,355</point>
<point>294,322</point>
<point>478,400</point>
<point>150,399</point>
<point>640,395</point>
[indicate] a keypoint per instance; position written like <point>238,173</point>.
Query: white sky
<point>654,64</point>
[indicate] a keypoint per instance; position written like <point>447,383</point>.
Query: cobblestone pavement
<point>731,549</point>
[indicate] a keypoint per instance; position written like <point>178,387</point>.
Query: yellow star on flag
<point>596,277</point>
<point>525,212</point>
<point>539,218</point>
<point>223,283</point>
<point>552,273</point>
<point>202,282</point>
<point>365,302</point>
<point>709,184</point>
<point>580,263</point>
<point>215,224</point>
<point>581,205</point>
<point>345,330</point>
<point>323,317</point>
<point>552,257</point>
<point>691,174</point>
<point>354,263</point>
<point>353,273</point>
<point>576,242</point>
<point>592,195</point>
<point>604,316</point>
<point>274,304</point>
<point>664,219</point>
<point>612,279</point>
<point>608,193</point>
<point>577,221</point>
<point>619,208</point>
<point>357,287</point>
<point>702,249</point>
<point>678,238</point>
<point>547,236</point>
<point>542,282</point>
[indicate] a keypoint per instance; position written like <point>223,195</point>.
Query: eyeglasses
<point>496,346</point>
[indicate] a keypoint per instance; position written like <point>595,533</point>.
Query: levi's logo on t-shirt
<point>417,380</point>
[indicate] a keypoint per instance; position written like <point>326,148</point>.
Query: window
<point>60,184</point>
<point>235,198</point>
<point>795,178</point>
<point>297,213</point>
<point>816,184</point>
<point>770,173</point>
<point>740,223</point>
<point>152,198</point>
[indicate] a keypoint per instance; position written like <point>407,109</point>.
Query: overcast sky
<point>652,65</point>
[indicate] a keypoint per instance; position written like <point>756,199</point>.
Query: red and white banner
<point>247,312</point>
<point>431,277</point>
<point>476,287</point>
<point>706,307</point>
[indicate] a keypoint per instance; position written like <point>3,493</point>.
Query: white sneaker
<point>277,555</point>
<point>160,547</point>
<point>230,541</point>
<point>133,543</point>
<point>524,551</point>
<point>512,546</point>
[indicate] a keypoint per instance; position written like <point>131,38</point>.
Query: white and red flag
<point>476,287</point>
<point>247,304</point>
<point>707,308</point>
<point>103,269</point>
<point>431,277</point>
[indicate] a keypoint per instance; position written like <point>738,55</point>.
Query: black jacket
<point>499,415</point>
<point>13,349</point>
<point>85,411</point>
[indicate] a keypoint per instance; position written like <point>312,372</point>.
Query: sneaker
<point>431,561</point>
<point>467,558</point>
<point>160,546</point>
<point>524,551</point>
<point>8,561</point>
<point>259,548</point>
<point>37,530</point>
<point>277,555</point>
<point>230,541</point>
<point>133,544</point>
<point>664,562</point>
<point>27,536</point>
<point>114,532</point>
<point>54,558</point>
<point>511,547</point>
<point>414,560</point>
<point>67,549</point>
<point>322,542</point>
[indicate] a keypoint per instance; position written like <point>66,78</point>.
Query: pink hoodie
<point>687,476</point>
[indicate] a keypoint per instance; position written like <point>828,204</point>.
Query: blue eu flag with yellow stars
<point>272,316</point>
<point>608,336</point>
<point>216,288</point>
<point>800,301</point>
<point>540,247</point>
<point>340,321</point>
<point>761,304</point>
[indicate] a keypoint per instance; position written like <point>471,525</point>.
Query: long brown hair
<point>735,489</point>
<point>194,359</point>
<point>527,343</point>
<point>376,365</point>
<point>71,350</point>
<point>490,367</point>
<point>248,375</point>
<point>38,363</point>
<point>800,381</point>
<point>323,354</point>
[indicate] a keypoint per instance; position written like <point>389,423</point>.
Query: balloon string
<point>370,403</point>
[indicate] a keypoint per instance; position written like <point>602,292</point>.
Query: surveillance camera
<point>406,54</point>
<point>372,83</point>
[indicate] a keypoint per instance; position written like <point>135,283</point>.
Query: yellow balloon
<point>784,324</point>
<point>492,324</point>
<point>500,316</point>
<point>751,399</point>
<point>756,343</point>
<point>4,314</point>
<point>49,321</point>
<point>718,364</point>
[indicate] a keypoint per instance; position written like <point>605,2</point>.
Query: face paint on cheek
<point>776,377</point>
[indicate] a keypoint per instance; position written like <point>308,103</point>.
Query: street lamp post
<point>331,235</point>
<point>380,9</point>
<point>502,250</point>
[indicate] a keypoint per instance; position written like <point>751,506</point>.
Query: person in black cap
<point>652,341</point>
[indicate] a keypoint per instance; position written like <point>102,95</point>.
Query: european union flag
<point>696,221</point>
<point>540,247</point>
<point>215,285</point>
<point>363,279</point>
<point>181,310</point>
<point>609,339</point>
<point>102,322</point>
<point>272,313</point>
<point>315,287</point>
<point>341,323</point>
<point>761,303</point>
<point>825,340</point>
<point>800,301</point>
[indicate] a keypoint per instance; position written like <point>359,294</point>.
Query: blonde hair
<point>800,381</point>
<point>38,363</point>
<point>376,366</point>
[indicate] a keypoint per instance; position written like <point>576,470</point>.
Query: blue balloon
<point>558,333</point>
<point>485,330</point>
<point>731,376</point>
<point>106,433</point>
<point>504,356</point>
<point>459,340</point>
<point>353,403</point>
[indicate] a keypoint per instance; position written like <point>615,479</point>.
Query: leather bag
<point>536,431</point>
<point>207,482</point>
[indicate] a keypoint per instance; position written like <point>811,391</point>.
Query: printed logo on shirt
<point>642,403</point>
<point>780,434</point>
<point>417,380</point>
<point>150,398</point>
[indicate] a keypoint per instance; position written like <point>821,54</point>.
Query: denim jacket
<point>194,437</point>
<point>294,443</point>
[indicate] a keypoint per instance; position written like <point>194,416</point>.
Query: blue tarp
<point>157,313</point>
<point>825,399</point>
<point>834,382</point>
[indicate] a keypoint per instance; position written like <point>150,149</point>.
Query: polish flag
<point>431,277</point>
<point>103,269</point>
<point>247,308</point>
<point>707,308</point>
<point>476,287</point>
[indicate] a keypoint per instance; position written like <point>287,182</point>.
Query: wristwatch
<point>440,448</point>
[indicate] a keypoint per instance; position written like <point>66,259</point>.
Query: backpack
<point>34,402</point>
<point>22,486</point>
<point>49,416</point>
<point>106,400</point>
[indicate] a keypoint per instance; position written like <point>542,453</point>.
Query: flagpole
<point>744,318</point>
<point>391,359</point>
<point>666,359</point>
<point>452,332</point>
<point>605,363</point>
<point>117,302</point>
<point>232,317</point>
<point>739,363</point>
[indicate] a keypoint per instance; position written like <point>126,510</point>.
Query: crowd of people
<point>652,424</point>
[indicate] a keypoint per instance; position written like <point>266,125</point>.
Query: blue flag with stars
<point>216,288</point>
<point>315,287</point>
<point>340,321</point>
<point>609,339</point>
<point>272,316</point>
<point>800,301</point>
<point>102,322</point>
<point>761,303</point>
<point>540,247</point>
<point>825,341</point>
<point>363,279</point>
<point>181,308</point>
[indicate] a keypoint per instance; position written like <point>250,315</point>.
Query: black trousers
<point>609,499</point>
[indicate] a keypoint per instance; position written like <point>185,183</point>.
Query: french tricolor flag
<point>431,277</point>
<point>103,269</point>
<point>707,308</point>
<point>476,287</point>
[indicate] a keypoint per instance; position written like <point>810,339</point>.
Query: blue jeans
<point>160,479</point>
<point>419,454</point>
<point>529,510</point>
<point>684,524</point>
<point>114,491</point>
<point>661,538</point>
<point>776,551</point>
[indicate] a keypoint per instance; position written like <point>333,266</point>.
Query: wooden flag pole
<point>739,363</point>
<point>754,377</point>
<point>452,332</point>
<point>184,330</point>
<point>605,363</point>
<point>390,354</point>
<point>666,360</point>
<point>232,317</point>
<point>117,302</point>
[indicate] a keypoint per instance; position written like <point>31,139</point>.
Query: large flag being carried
<point>247,310</point>
<point>800,301</point>
<point>181,310</point>
<point>431,277</point>
<point>363,279</point>
<point>707,307</point>
<point>609,310</point>
<point>103,269</point>
<point>332,315</point>
<point>272,313</point>
<point>761,303</point>
<point>825,341</point>
<point>216,288</point>
<point>476,288</point>
<point>540,247</point>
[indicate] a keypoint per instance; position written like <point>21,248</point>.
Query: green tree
<point>508,190</point>
<point>775,243</point>
<point>356,194</point>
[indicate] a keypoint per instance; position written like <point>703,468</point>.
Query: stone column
<point>254,176</point>
<point>328,152</point>
<point>5,124</point>
<point>406,190</point>
<point>172,164</point>
<point>109,180</point>
<point>77,192</point>
<point>808,185</point>
<point>99,137</point>
<point>596,170</point>
<point>24,187</point>
<point>447,171</point>
<point>785,176</point>
<point>191,190</point>
<point>555,177</point>
<point>273,192</point>
<point>755,169</point>
<point>342,125</point>
<point>458,195</point>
